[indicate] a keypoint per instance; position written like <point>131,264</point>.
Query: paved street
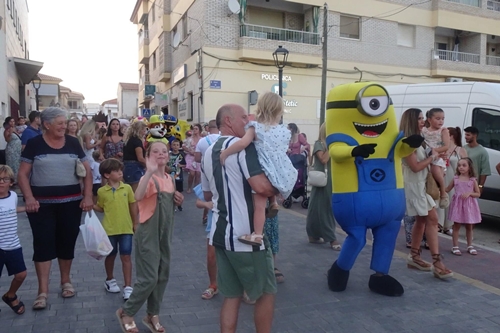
<point>468,303</point>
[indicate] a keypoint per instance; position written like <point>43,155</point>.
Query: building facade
<point>110,108</point>
<point>16,69</point>
<point>203,53</point>
<point>127,100</point>
<point>46,90</point>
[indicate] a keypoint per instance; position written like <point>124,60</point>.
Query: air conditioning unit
<point>454,79</point>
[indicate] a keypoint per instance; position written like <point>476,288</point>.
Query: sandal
<point>67,290</point>
<point>440,273</point>
<point>273,210</point>
<point>209,293</point>
<point>456,251</point>
<point>408,245</point>
<point>319,240</point>
<point>253,239</point>
<point>280,278</point>
<point>444,202</point>
<point>471,250</point>
<point>448,232</point>
<point>414,261</point>
<point>153,327</point>
<point>335,247</point>
<point>126,327</point>
<point>40,302</point>
<point>18,308</point>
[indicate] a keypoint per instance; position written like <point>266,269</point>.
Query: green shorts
<point>252,272</point>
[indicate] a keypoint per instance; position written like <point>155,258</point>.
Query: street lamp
<point>280,56</point>
<point>37,82</point>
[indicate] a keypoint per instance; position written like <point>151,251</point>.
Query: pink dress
<point>464,210</point>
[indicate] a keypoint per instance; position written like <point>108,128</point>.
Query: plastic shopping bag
<point>95,239</point>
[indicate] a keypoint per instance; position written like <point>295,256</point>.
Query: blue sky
<point>91,45</point>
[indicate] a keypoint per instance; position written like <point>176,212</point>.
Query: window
<point>185,30</point>
<point>153,12</point>
<point>406,35</point>
<point>349,27</point>
<point>73,104</point>
<point>154,60</point>
<point>487,121</point>
<point>190,106</point>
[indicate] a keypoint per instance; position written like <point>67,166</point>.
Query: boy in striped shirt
<point>11,252</point>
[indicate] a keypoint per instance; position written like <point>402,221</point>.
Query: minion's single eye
<point>375,105</point>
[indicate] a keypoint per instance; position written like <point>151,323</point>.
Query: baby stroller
<point>299,162</point>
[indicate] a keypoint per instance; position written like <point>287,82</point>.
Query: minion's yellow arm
<point>340,152</point>
<point>403,149</point>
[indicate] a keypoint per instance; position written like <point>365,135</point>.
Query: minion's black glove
<point>414,141</point>
<point>364,150</point>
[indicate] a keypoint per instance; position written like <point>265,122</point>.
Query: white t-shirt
<point>8,223</point>
<point>205,142</point>
<point>96,176</point>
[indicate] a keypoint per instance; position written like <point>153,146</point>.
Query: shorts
<point>123,242</point>
<point>132,172</point>
<point>13,260</point>
<point>250,272</point>
<point>95,188</point>
<point>179,185</point>
<point>55,228</point>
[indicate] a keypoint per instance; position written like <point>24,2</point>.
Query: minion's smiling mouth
<point>371,130</point>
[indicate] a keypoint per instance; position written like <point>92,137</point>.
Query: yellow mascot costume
<point>157,130</point>
<point>366,149</point>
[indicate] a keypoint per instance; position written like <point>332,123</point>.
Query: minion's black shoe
<point>337,278</point>
<point>385,285</point>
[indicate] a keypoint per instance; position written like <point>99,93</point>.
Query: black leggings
<point>55,228</point>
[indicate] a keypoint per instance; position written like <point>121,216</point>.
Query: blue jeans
<point>132,172</point>
<point>124,242</point>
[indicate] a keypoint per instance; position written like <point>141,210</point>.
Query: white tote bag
<point>95,238</point>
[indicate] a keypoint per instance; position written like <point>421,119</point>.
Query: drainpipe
<point>199,63</point>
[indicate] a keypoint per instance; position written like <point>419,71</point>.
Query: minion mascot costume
<point>366,150</point>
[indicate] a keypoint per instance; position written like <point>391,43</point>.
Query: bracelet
<point>480,186</point>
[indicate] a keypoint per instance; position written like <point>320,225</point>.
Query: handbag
<point>96,240</point>
<point>317,178</point>
<point>80,169</point>
<point>431,187</point>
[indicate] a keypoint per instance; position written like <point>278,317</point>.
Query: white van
<point>465,104</point>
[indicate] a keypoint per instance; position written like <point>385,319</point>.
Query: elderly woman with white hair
<point>54,200</point>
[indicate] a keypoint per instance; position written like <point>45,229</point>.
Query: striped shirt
<point>231,194</point>
<point>53,177</point>
<point>8,223</point>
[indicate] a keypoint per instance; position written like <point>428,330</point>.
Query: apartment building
<point>203,53</point>
<point>16,68</point>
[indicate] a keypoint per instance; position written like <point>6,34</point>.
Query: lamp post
<point>280,56</point>
<point>36,84</point>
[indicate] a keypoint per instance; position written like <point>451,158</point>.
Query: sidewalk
<point>468,303</point>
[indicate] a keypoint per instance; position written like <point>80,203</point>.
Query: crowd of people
<point>238,169</point>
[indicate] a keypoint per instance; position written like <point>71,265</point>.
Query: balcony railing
<point>144,37</point>
<point>493,5</point>
<point>492,61</point>
<point>294,36</point>
<point>475,3</point>
<point>144,79</point>
<point>456,56</point>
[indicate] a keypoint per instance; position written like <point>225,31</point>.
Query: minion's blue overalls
<point>378,205</point>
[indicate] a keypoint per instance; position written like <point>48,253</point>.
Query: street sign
<point>215,84</point>
<point>146,112</point>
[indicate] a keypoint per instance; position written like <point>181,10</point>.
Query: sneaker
<point>111,286</point>
<point>127,291</point>
<point>179,208</point>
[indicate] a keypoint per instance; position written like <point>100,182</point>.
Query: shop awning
<point>27,69</point>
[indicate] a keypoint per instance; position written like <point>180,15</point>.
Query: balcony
<point>492,61</point>
<point>143,38</point>
<point>286,35</point>
<point>473,3</point>
<point>144,54</point>
<point>144,80</point>
<point>493,5</point>
<point>456,56</point>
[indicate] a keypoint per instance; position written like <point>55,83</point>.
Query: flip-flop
<point>153,328</point>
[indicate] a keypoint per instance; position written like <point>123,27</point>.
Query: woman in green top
<point>320,225</point>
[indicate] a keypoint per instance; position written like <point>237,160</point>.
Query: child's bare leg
<point>438,174</point>
<point>468,233</point>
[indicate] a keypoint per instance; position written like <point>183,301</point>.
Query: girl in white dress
<point>271,142</point>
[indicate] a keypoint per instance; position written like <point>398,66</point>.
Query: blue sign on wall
<point>149,89</point>
<point>215,84</point>
<point>146,112</point>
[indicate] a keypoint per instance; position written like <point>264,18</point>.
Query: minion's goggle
<point>367,103</point>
